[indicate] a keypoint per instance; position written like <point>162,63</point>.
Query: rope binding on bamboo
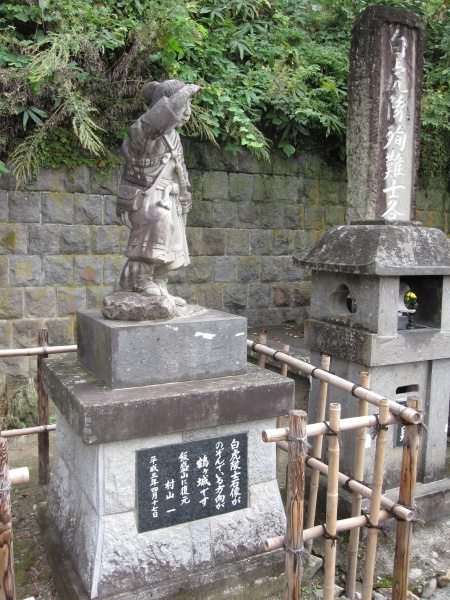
<point>322,370</point>
<point>414,508</point>
<point>331,431</point>
<point>375,430</point>
<point>383,528</point>
<point>327,536</point>
<point>421,427</point>
<point>279,352</point>
<point>303,441</point>
<point>346,485</point>
<point>302,553</point>
<point>357,385</point>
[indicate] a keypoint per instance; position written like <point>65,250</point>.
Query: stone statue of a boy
<point>154,196</point>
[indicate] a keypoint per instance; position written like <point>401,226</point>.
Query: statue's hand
<point>180,100</point>
<point>186,202</point>
<point>122,215</point>
<point>192,89</point>
<point>166,188</point>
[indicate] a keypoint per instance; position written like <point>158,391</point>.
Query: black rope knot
<point>375,430</point>
<point>346,485</point>
<point>327,536</point>
<point>421,427</point>
<point>357,385</point>
<point>331,431</point>
<point>384,530</point>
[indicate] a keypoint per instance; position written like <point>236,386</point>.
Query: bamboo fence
<point>297,541</point>
<point>381,508</point>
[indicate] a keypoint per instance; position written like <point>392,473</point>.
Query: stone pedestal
<point>122,354</point>
<point>92,495</point>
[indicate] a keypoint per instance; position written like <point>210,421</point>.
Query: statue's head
<point>154,90</point>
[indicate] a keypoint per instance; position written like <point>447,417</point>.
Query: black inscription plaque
<point>186,482</point>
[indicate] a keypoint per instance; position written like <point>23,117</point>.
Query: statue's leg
<point>144,283</point>
<point>161,276</point>
<point>127,278</point>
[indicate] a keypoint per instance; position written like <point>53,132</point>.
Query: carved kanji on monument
<point>383,130</point>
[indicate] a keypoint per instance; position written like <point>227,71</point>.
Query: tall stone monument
<point>383,126</point>
<point>362,272</point>
<point>163,487</point>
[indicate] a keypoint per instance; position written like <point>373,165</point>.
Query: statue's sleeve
<point>159,120</point>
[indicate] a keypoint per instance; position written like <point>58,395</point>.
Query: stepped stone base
<point>254,578</point>
<point>93,496</point>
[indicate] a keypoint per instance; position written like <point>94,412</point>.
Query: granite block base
<point>94,494</point>
<point>254,578</point>
<point>92,504</point>
<point>101,415</point>
<point>206,343</point>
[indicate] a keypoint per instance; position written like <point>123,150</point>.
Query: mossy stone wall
<point>61,245</point>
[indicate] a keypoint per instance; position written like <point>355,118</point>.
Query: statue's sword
<point>180,174</point>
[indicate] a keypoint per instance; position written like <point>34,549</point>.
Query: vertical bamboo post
<point>284,367</point>
<point>43,415</point>
<point>262,340</point>
<point>7,587</point>
<point>280,422</point>
<point>358,474</point>
<point>317,453</point>
<point>295,505</point>
<point>407,498</point>
<point>332,503</point>
<point>377,485</point>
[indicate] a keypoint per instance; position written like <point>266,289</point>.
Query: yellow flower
<point>410,300</point>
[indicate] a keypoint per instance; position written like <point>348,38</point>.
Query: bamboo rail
<point>332,502</point>
<point>316,532</point>
<point>19,475</point>
<point>381,508</point>
<point>7,588</point>
<point>377,484</point>
<point>295,505</point>
<point>407,496</point>
<point>284,370</point>
<point>358,474</point>
<point>27,431</point>
<point>43,428</point>
<point>401,512</point>
<point>317,452</point>
<point>313,429</point>
<point>37,351</point>
<point>407,414</point>
<point>261,358</point>
<point>43,414</point>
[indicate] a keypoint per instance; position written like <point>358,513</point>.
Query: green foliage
<point>273,75</point>
<point>22,407</point>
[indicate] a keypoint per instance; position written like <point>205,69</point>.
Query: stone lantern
<point>360,274</point>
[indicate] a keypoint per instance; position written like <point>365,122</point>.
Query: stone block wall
<point>61,245</point>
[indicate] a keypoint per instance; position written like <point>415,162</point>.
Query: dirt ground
<point>430,552</point>
<point>32,572</point>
